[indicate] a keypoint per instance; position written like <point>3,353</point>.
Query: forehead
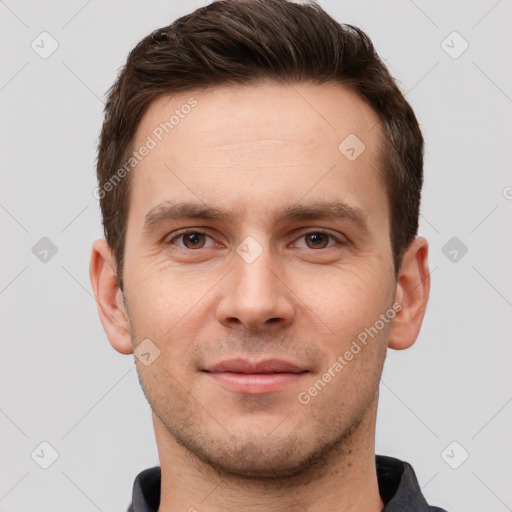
<point>262,142</point>
<point>296,111</point>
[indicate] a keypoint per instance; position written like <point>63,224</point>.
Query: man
<point>259,177</point>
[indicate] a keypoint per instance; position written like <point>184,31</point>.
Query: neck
<point>344,480</point>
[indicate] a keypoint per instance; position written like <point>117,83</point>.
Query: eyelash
<point>182,233</point>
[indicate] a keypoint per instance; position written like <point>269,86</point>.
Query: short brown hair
<point>241,42</point>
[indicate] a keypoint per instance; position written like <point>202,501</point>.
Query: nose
<point>255,296</point>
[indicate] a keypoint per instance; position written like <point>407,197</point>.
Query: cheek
<point>171,311</point>
<point>162,295</point>
<point>348,299</point>
<point>167,392</point>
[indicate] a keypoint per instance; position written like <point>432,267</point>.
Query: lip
<point>264,366</point>
<point>255,377</point>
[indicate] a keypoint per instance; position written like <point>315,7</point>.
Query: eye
<point>191,239</point>
<point>318,240</point>
<point>194,239</point>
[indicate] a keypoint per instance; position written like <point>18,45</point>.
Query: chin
<point>290,454</point>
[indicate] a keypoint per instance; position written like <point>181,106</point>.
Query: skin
<point>249,151</point>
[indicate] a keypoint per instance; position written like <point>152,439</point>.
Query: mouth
<point>249,377</point>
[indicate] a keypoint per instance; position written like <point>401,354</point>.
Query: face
<point>257,253</point>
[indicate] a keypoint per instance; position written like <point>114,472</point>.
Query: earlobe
<point>412,292</point>
<point>109,297</point>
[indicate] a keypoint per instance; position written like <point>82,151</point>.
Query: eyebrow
<point>169,211</point>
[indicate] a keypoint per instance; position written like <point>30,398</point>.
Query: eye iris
<point>193,240</point>
<point>316,238</point>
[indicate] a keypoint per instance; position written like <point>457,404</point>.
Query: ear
<point>412,291</point>
<point>109,297</point>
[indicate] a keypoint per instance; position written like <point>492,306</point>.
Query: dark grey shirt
<point>398,488</point>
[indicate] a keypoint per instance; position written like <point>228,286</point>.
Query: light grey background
<point>63,383</point>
